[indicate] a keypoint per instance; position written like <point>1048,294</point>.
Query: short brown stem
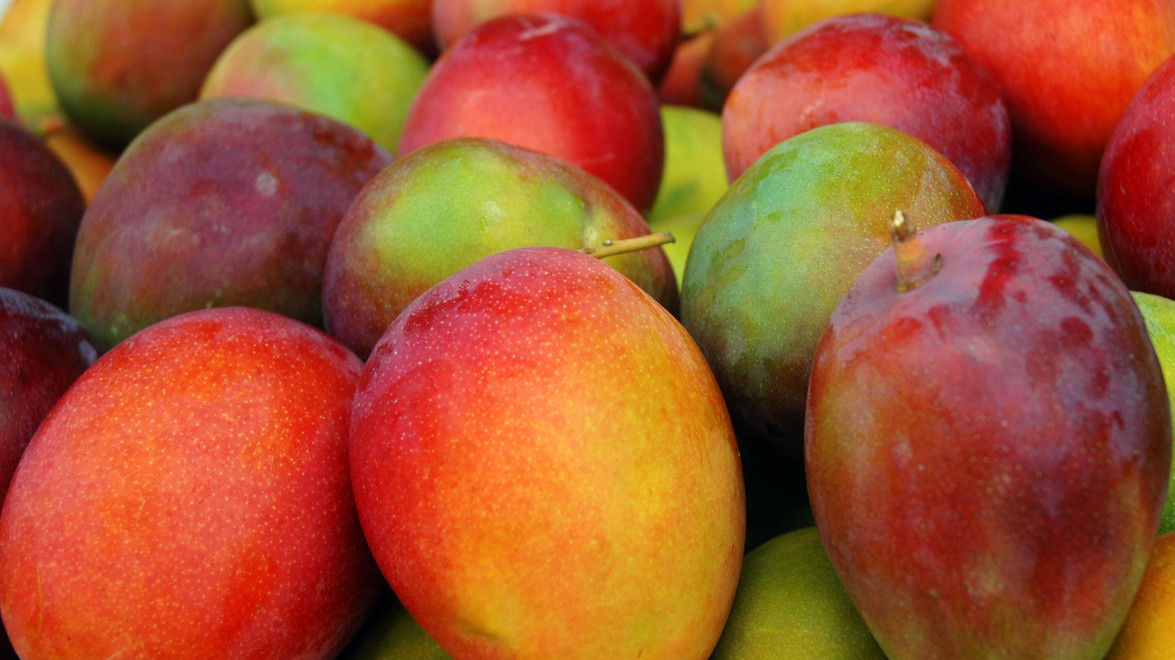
<point>915,264</point>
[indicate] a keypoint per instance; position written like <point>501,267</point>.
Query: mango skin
<point>549,83</point>
<point>118,65</point>
<point>783,18</point>
<point>223,202</point>
<point>544,468</point>
<point>449,203</point>
<point>777,252</point>
<point>790,605</point>
<point>410,20</point>
<point>41,208</point>
<point>189,497</point>
<point>1159,314</point>
<point>988,453</point>
<point>340,66</point>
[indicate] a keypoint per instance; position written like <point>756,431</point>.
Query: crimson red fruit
<point>644,31</point>
<point>548,83</point>
<point>1136,189</point>
<point>41,207</point>
<point>879,68</point>
<point>988,444</point>
<point>44,351</point>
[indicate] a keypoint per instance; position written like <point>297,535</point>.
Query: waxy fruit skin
<point>988,452</point>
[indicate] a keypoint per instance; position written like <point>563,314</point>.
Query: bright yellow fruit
<point>27,77</point>
<point>25,23</point>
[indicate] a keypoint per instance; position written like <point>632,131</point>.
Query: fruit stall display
<point>682,329</point>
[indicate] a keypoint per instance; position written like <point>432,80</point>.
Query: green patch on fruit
<point>694,177</point>
<point>1159,314</point>
<point>791,604</point>
<point>780,248</point>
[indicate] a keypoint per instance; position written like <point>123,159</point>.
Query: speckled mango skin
<point>189,497</point>
<point>988,453</point>
<point>544,467</point>
<point>341,66</point>
<point>223,202</point>
<point>444,206</point>
<point>118,65</point>
<point>777,252</point>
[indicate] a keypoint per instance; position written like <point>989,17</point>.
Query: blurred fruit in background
<point>711,52</point>
<point>7,109</point>
<point>23,33</point>
<point>343,67</point>
<point>694,178</point>
<point>392,634</point>
<point>783,18</point>
<point>548,83</point>
<point>1067,69</point>
<point>879,68</point>
<point>1159,314</point>
<point>118,65</point>
<point>41,208</point>
<point>1083,227</point>
<point>1147,633</point>
<point>643,31</point>
<point>411,20</point>
<point>736,46</point>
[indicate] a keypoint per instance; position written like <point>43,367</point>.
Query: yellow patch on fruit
<point>27,77</point>
<point>1083,227</point>
<point>783,18</point>
<point>1148,632</point>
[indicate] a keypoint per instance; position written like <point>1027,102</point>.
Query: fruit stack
<point>544,329</point>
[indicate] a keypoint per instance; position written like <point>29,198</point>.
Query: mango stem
<point>610,247</point>
<point>915,265</point>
